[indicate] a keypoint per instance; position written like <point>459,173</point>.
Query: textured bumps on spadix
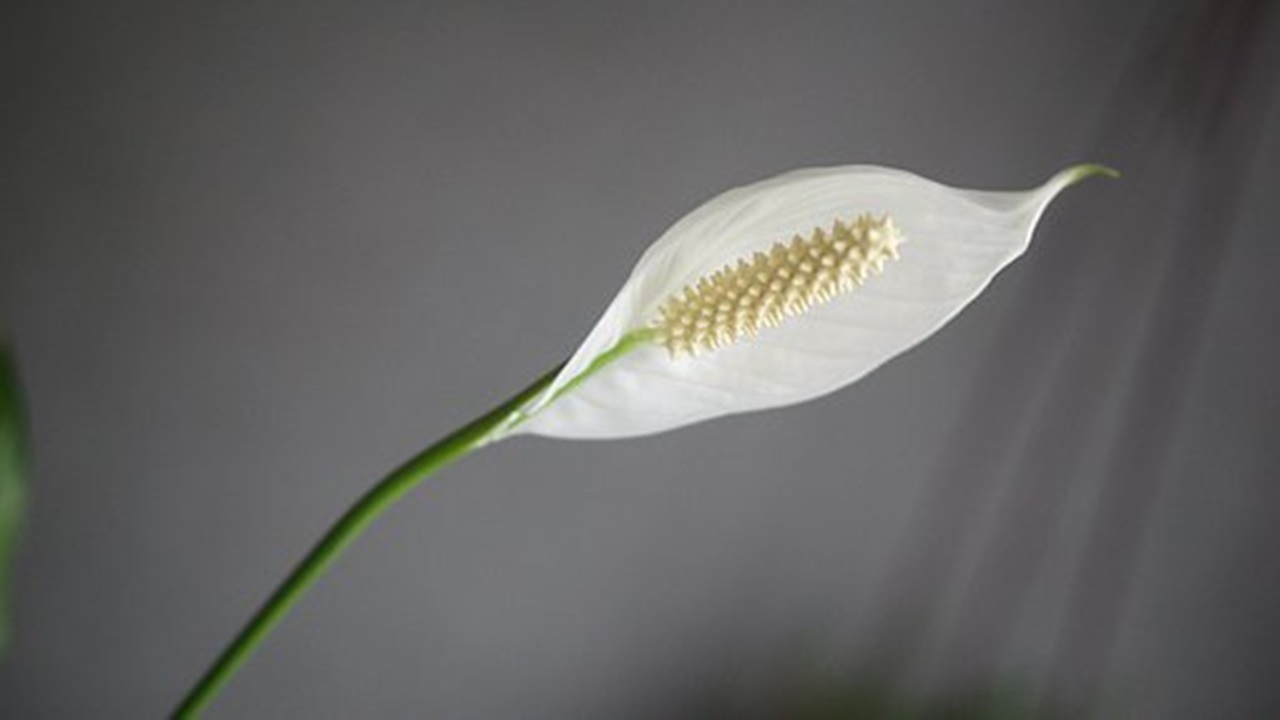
<point>739,300</point>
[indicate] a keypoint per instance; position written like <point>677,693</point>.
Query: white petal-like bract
<point>955,241</point>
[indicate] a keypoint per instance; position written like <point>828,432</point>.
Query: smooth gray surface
<point>253,255</point>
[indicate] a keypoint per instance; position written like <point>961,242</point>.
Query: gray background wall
<point>252,255</point>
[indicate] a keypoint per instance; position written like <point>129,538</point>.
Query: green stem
<point>350,526</point>
<point>367,509</point>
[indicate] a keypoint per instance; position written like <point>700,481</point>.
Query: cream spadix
<point>737,301</point>
<point>782,291</point>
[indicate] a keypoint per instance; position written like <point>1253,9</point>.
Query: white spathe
<point>955,242</point>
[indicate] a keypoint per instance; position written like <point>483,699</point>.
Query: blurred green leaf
<point>13,484</point>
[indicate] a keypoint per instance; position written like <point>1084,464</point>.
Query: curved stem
<point>350,526</point>
<point>491,426</point>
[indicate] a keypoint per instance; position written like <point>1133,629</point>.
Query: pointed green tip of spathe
<point>1075,174</point>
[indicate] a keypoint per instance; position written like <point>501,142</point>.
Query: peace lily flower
<point>767,295</point>
<point>782,291</point>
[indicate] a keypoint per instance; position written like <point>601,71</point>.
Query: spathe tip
<point>1088,170</point>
